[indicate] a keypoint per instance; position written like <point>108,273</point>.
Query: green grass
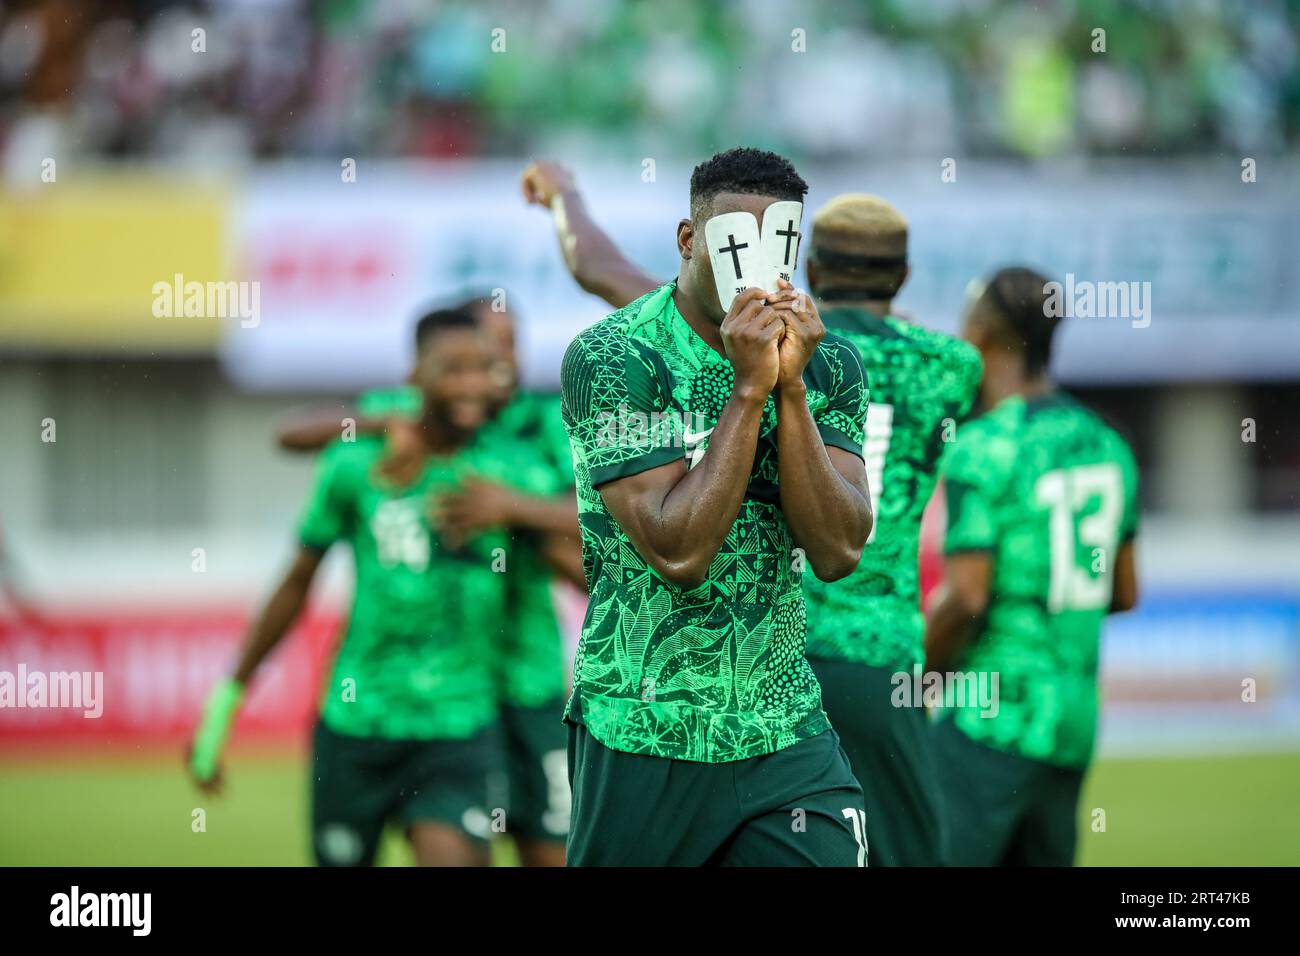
<point>1213,811</point>
<point>1194,811</point>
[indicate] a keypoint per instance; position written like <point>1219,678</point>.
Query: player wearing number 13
<point>1042,512</point>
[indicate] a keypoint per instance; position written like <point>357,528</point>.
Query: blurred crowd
<point>235,80</point>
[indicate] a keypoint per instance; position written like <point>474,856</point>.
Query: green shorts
<point>796,807</point>
<point>891,752</point>
<point>537,767</point>
<point>361,783</point>
<point>1004,809</point>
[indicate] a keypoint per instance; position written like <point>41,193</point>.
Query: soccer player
<point>408,724</point>
<point>525,489</point>
<point>865,632</point>
<point>1042,512</point>
<point>867,628</point>
<point>715,452</point>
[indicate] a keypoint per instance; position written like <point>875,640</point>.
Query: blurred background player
<point>528,495</point>
<point>866,628</point>
<point>408,725</point>
<point>1042,513</point>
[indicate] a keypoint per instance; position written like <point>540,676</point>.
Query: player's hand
<point>543,181</point>
<point>804,331</point>
<point>203,757</point>
<point>751,332</point>
<point>213,784</point>
<point>475,506</point>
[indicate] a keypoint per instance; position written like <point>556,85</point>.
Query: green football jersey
<point>528,450</point>
<point>922,383</point>
<point>414,660</point>
<point>715,672</point>
<point>404,401</point>
<point>531,455</point>
<point>1051,491</point>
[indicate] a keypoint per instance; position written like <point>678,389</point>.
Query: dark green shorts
<point>797,807</point>
<point>891,752</point>
<point>537,765</point>
<point>1004,809</point>
<point>361,783</point>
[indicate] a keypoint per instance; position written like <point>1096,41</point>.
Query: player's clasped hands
<point>804,330</point>
<point>751,333</point>
<point>770,336</point>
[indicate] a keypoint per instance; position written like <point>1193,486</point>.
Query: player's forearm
<point>563,554</point>
<point>949,629</point>
<point>591,256</point>
<point>272,625</point>
<point>828,518</point>
<point>312,433</point>
<point>699,510</point>
<point>557,514</point>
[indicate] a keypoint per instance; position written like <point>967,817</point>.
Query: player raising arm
<point>590,255</point>
<point>1042,513</point>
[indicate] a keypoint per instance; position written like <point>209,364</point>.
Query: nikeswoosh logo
<point>694,438</point>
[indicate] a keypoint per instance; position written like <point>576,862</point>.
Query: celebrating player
<point>525,488</point>
<point>716,450</point>
<point>407,731</point>
<point>867,628</point>
<point>1042,512</point>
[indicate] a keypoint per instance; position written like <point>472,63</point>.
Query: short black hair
<point>753,172</point>
<point>437,320</point>
<point>1019,295</point>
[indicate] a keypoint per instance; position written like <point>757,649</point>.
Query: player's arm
<point>678,517</point>
<point>268,630</point>
<point>590,255</point>
<point>958,608</point>
<point>328,516</point>
<point>480,504</point>
<point>1124,586</point>
<point>972,489</point>
<point>824,490</point>
<point>563,554</point>
<point>310,431</point>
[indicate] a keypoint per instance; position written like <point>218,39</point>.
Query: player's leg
<point>890,751</point>
<point>1049,836</point>
<point>349,797</point>
<point>802,807</point>
<point>439,844</point>
<point>537,765</point>
<point>636,810</point>
<point>451,799</point>
<point>985,796</point>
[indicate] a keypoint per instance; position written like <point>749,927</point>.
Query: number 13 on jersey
<point>1085,504</point>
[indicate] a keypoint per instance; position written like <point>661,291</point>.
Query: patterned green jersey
<point>922,383</point>
<point>414,660</point>
<point>526,447</point>
<point>1051,491</point>
<point>715,672</point>
<point>531,455</point>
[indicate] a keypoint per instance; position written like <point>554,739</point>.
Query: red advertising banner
<point>137,676</point>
